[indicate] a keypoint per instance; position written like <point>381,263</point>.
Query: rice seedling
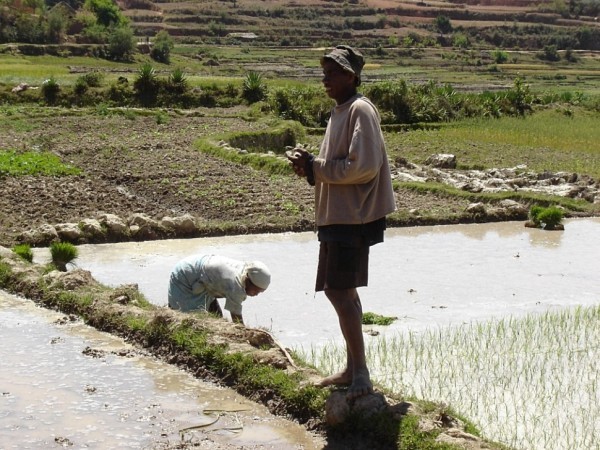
<point>546,140</point>
<point>33,163</point>
<point>63,253</point>
<point>24,251</point>
<point>529,382</point>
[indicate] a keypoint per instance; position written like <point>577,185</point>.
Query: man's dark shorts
<point>342,265</point>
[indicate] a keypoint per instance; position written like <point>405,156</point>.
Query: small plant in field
<point>254,89</point>
<point>499,56</point>
<point>80,86</point>
<point>33,163</point>
<point>162,118</point>
<point>370,318</point>
<point>63,253</point>
<point>24,251</point>
<point>178,77</point>
<point>549,218</point>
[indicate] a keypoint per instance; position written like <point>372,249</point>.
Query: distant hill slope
<point>521,24</point>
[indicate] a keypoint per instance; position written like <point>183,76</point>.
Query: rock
<point>68,231</point>
<point>144,227</point>
<point>114,224</point>
<point>141,220</point>
<point>20,87</point>
<point>513,206</point>
<point>181,225</point>
<point>475,208</point>
<point>91,228</point>
<point>6,252</point>
<point>69,280</point>
<point>43,235</point>
<point>337,407</point>
<point>442,161</point>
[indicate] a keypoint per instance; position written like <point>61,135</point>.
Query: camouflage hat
<point>348,59</point>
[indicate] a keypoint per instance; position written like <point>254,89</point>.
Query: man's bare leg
<point>356,374</point>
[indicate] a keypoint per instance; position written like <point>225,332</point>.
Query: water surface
<point>425,276</point>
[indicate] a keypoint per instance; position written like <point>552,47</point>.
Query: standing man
<point>353,195</point>
<point>197,281</point>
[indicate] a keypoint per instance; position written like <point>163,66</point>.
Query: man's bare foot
<point>361,385</point>
<point>339,379</point>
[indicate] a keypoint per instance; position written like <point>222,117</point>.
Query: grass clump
<point>546,217</point>
<point>5,274</point>
<point>62,254</point>
<point>371,318</point>
<point>24,251</point>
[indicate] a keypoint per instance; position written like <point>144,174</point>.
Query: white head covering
<point>259,274</point>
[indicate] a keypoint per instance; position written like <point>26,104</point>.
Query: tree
<point>161,49</point>
<point>120,43</point>
<point>443,25</point>
<point>56,25</point>
<point>107,12</point>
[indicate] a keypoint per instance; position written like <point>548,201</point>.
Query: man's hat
<point>259,274</point>
<point>348,59</point>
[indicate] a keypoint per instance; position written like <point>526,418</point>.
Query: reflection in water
<point>425,276</point>
<point>72,386</point>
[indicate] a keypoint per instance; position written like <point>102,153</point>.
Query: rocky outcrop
<point>111,228</point>
<point>441,168</point>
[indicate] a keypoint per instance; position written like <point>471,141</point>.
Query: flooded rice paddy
<point>430,278</point>
<point>425,276</point>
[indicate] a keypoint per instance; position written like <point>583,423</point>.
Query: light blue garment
<point>198,280</point>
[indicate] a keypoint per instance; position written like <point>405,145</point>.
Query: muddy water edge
<point>65,384</point>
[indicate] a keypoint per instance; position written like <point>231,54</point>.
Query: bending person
<point>197,281</point>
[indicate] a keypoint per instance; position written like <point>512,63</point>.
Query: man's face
<point>339,83</point>
<point>252,290</point>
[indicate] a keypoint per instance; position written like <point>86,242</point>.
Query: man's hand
<point>237,318</point>
<point>299,157</point>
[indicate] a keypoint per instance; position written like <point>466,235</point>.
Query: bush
<point>306,105</point>
<point>93,79</point>
<point>146,85</point>
<point>50,90</point>
<point>499,56</point>
<point>550,53</point>
<point>391,96</point>
<point>80,86</point>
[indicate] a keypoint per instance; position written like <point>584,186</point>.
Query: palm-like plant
<point>146,84</point>
<point>254,89</point>
<point>146,78</point>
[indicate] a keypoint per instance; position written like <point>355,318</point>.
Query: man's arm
<point>237,318</point>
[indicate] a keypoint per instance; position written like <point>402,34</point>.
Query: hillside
<point>370,23</point>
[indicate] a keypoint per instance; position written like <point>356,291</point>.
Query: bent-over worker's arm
<point>237,318</point>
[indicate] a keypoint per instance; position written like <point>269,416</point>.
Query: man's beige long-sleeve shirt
<point>353,183</point>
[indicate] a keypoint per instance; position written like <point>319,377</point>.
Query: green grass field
<point>550,139</point>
